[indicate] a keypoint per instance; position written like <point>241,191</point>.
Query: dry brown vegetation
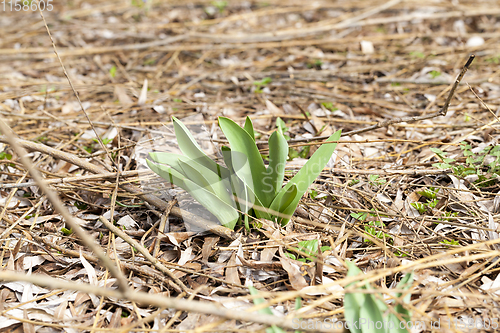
<point>320,66</point>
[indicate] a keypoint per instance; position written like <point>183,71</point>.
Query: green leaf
<point>353,301</point>
<point>371,312</point>
<point>250,167</point>
<point>298,303</point>
<point>66,231</point>
<point>278,152</point>
<point>249,128</point>
<point>309,247</point>
<point>286,207</point>
<point>263,82</point>
<point>281,126</point>
<point>219,188</point>
<point>360,215</point>
<point>197,173</point>
<point>112,71</point>
<point>358,306</point>
<point>191,149</point>
<point>309,172</point>
<point>245,196</point>
<point>405,284</point>
<point>226,214</point>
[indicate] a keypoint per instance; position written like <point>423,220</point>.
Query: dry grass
<point>320,66</point>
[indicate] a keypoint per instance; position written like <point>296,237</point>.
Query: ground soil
<point>119,70</point>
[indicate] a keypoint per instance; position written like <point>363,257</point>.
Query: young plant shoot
<point>244,187</point>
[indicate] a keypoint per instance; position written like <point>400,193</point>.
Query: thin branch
<point>388,122</point>
<point>153,200</point>
<point>103,146</point>
<point>59,207</point>
<point>156,263</point>
<point>161,301</point>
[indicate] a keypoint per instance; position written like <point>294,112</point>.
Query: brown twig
<point>153,200</point>
<point>156,263</point>
<point>386,123</point>
<point>103,146</point>
<point>12,139</point>
<point>160,301</point>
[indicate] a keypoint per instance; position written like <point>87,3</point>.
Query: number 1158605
<point>26,5</point>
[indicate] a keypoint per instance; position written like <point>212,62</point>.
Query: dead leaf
<point>232,275</point>
<point>295,277</point>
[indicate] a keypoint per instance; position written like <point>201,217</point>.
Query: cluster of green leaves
<point>91,147</point>
<point>431,195</point>
<point>310,248</point>
<point>474,164</point>
<point>369,307</point>
<point>244,187</point>
<point>372,228</point>
<point>375,229</point>
<point>5,156</point>
<point>375,180</point>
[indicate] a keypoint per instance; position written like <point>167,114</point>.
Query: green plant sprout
<point>373,229</point>
<point>244,187</point>
<point>434,74</point>
<point>89,149</point>
<point>112,71</point>
<point>329,106</point>
<point>376,180</point>
<point>66,231</point>
<point>494,60</point>
<point>474,164</point>
<point>429,193</point>
<point>447,216</point>
<point>260,84</point>
<point>105,141</point>
<point>310,248</point>
<point>6,156</point>
<point>315,64</point>
<point>80,205</point>
<point>447,242</point>
<point>419,206</point>
<point>362,307</point>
